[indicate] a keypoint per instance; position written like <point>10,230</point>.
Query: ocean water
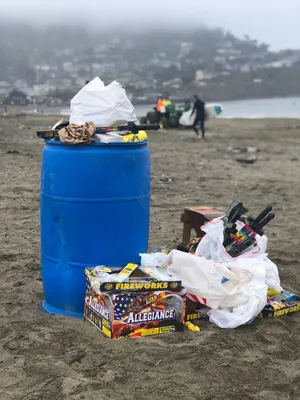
<point>263,108</point>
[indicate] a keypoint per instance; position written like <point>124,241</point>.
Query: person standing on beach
<point>199,109</point>
<point>160,109</point>
<point>170,108</point>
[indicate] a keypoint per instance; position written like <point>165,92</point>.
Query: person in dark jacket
<point>199,109</point>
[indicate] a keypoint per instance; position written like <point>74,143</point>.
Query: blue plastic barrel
<point>95,207</point>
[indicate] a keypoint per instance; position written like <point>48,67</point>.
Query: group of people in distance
<point>164,106</point>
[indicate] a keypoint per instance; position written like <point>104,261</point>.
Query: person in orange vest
<point>160,108</point>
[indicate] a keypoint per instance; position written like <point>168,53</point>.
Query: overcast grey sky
<point>272,21</point>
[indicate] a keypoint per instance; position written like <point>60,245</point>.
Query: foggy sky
<point>271,21</point>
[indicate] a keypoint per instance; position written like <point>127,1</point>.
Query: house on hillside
<point>16,97</point>
<point>5,87</point>
<point>199,76</point>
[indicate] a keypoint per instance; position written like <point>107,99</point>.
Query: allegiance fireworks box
<point>140,306</point>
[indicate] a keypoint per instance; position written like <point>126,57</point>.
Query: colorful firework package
<point>191,247</point>
<point>280,304</point>
<point>238,239</point>
<point>134,303</point>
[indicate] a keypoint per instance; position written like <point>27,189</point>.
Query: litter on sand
<point>227,275</point>
<point>97,221</point>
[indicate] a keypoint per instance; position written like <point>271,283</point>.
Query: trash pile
<point>226,276</point>
<point>99,113</point>
<point>228,270</point>
<point>88,133</point>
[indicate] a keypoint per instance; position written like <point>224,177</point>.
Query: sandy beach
<point>45,357</point>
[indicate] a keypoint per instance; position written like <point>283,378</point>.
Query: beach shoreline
<point>279,108</point>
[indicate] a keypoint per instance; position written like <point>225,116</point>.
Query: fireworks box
<point>281,305</point>
<point>192,313</point>
<point>140,306</point>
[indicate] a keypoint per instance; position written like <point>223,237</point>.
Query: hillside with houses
<point>49,65</point>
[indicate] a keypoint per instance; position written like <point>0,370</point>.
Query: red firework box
<point>145,302</point>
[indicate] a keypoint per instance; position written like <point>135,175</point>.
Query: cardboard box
<point>192,313</point>
<point>276,308</point>
<point>139,307</point>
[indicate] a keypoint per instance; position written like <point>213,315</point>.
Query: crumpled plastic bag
<point>235,291</point>
<point>104,105</point>
<point>211,246</point>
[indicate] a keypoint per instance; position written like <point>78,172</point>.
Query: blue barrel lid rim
<point>115,144</point>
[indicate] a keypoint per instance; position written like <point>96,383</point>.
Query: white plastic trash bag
<point>104,105</point>
<point>235,291</point>
<point>211,246</point>
<point>211,112</point>
<point>152,259</point>
<point>187,119</point>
